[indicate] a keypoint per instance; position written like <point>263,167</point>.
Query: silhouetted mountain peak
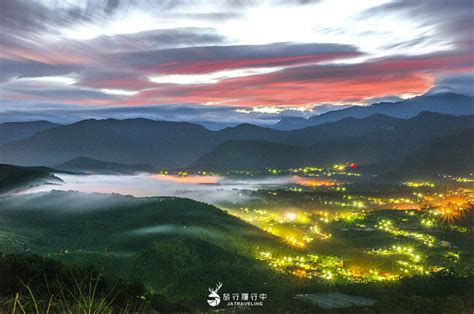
<point>245,126</point>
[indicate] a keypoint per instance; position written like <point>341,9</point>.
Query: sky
<point>226,61</point>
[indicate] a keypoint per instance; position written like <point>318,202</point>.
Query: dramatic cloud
<point>462,83</point>
<point>263,58</point>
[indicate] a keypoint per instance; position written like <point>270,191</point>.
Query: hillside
<point>246,155</point>
<point>448,155</point>
<point>169,244</point>
<point>84,164</point>
<point>12,177</point>
<point>74,219</point>
<point>344,129</point>
<point>426,125</point>
<point>12,131</point>
<point>370,141</point>
<point>445,103</point>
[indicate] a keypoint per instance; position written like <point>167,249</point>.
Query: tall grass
<point>84,296</point>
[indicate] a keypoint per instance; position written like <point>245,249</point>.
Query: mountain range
<point>446,103</point>
<point>372,140</point>
<point>407,133</point>
<point>132,141</point>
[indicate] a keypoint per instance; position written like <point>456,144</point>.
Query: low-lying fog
<point>210,189</point>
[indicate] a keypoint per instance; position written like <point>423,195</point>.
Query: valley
<point>313,227</point>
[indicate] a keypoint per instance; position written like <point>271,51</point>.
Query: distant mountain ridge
<point>391,141</point>
<point>445,103</point>
<point>12,131</point>
<point>167,145</point>
<point>131,141</point>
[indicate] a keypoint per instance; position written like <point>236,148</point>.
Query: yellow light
<point>291,216</point>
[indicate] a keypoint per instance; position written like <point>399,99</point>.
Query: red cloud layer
<point>301,82</point>
<point>316,84</point>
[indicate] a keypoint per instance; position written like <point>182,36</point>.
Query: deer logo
<point>214,298</point>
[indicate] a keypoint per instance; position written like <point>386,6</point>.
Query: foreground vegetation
<point>32,284</point>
